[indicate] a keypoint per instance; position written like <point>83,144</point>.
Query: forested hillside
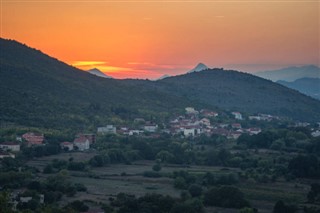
<point>37,90</point>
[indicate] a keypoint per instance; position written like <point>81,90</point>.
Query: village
<point>189,126</point>
<point>192,124</point>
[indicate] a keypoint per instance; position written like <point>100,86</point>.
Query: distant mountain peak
<point>199,68</point>
<point>98,72</point>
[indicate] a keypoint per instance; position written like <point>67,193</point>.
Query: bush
<point>151,174</point>
<point>195,190</point>
<point>156,167</point>
<point>225,196</point>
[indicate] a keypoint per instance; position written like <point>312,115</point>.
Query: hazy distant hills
<point>163,77</point>
<point>37,90</point>
<point>291,73</point>
<point>97,72</point>
<point>308,86</point>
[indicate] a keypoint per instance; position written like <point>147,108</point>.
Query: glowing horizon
<point>147,39</point>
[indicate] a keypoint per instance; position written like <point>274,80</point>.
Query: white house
<point>151,127</point>
<point>191,131</point>
<point>6,155</point>
<point>191,110</point>
<point>316,133</point>
<point>82,143</point>
<point>205,121</point>
<point>135,132</point>
<point>15,147</point>
<point>254,131</point>
<point>67,145</point>
<point>109,129</point>
<point>237,115</point>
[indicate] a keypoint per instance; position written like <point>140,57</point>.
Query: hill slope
<point>37,90</point>
<point>241,91</point>
<point>291,73</point>
<point>308,86</point>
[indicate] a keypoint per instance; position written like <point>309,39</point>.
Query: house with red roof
<point>66,146</point>
<point>33,138</point>
<point>82,143</point>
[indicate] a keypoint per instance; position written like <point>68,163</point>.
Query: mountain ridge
<point>36,89</point>
<point>307,86</point>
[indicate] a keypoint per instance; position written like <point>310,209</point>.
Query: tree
<point>195,190</point>
<point>314,193</point>
<point>48,169</point>
<point>180,183</point>
<point>225,196</point>
<point>4,202</point>
<point>156,167</point>
<point>78,206</point>
<point>165,156</point>
<point>281,207</point>
<point>305,166</point>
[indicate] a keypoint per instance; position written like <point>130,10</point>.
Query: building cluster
<point>16,197</point>
<point>263,117</point>
<point>195,123</point>
<point>191,124</point>
<point>81,142</point>
<point>142,127</point>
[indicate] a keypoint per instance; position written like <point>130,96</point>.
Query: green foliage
<point>4,202</point>
<point>78,206</point>
<point>189,206</point>
<point>281,207</point>
<point>151,174</point>
<point>305,166</point>
<point>314,193</point>
<point>157,167</point>
<point>225,196</point>
<point>52,94</point>
<point>99,160</point>
<point>76,166</point>
<point>195,190</point>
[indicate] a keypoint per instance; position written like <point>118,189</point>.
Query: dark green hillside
<point>244,92</point>
<point>37,90</point>
<point>308,86</point>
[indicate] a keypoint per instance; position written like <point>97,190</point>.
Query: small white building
<point>316,133</point>
<point>135,132</point>
<point>205,121</point>
<point>25,199</point>
<point>191,131</point>
<point>191,110</point>
<point>12,146</point>
<point>6,155</point>
<point>82,143</point>
<point>237,115</point>
<point>109,129</point>
<point>151,127</point>
<point>254,131</point>
<point>66,145</point>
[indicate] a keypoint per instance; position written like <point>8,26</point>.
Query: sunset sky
<point>147,39</point>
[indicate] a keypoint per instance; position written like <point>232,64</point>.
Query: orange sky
<point>147,39</point>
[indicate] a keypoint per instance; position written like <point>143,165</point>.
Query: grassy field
<point>105,182</point>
